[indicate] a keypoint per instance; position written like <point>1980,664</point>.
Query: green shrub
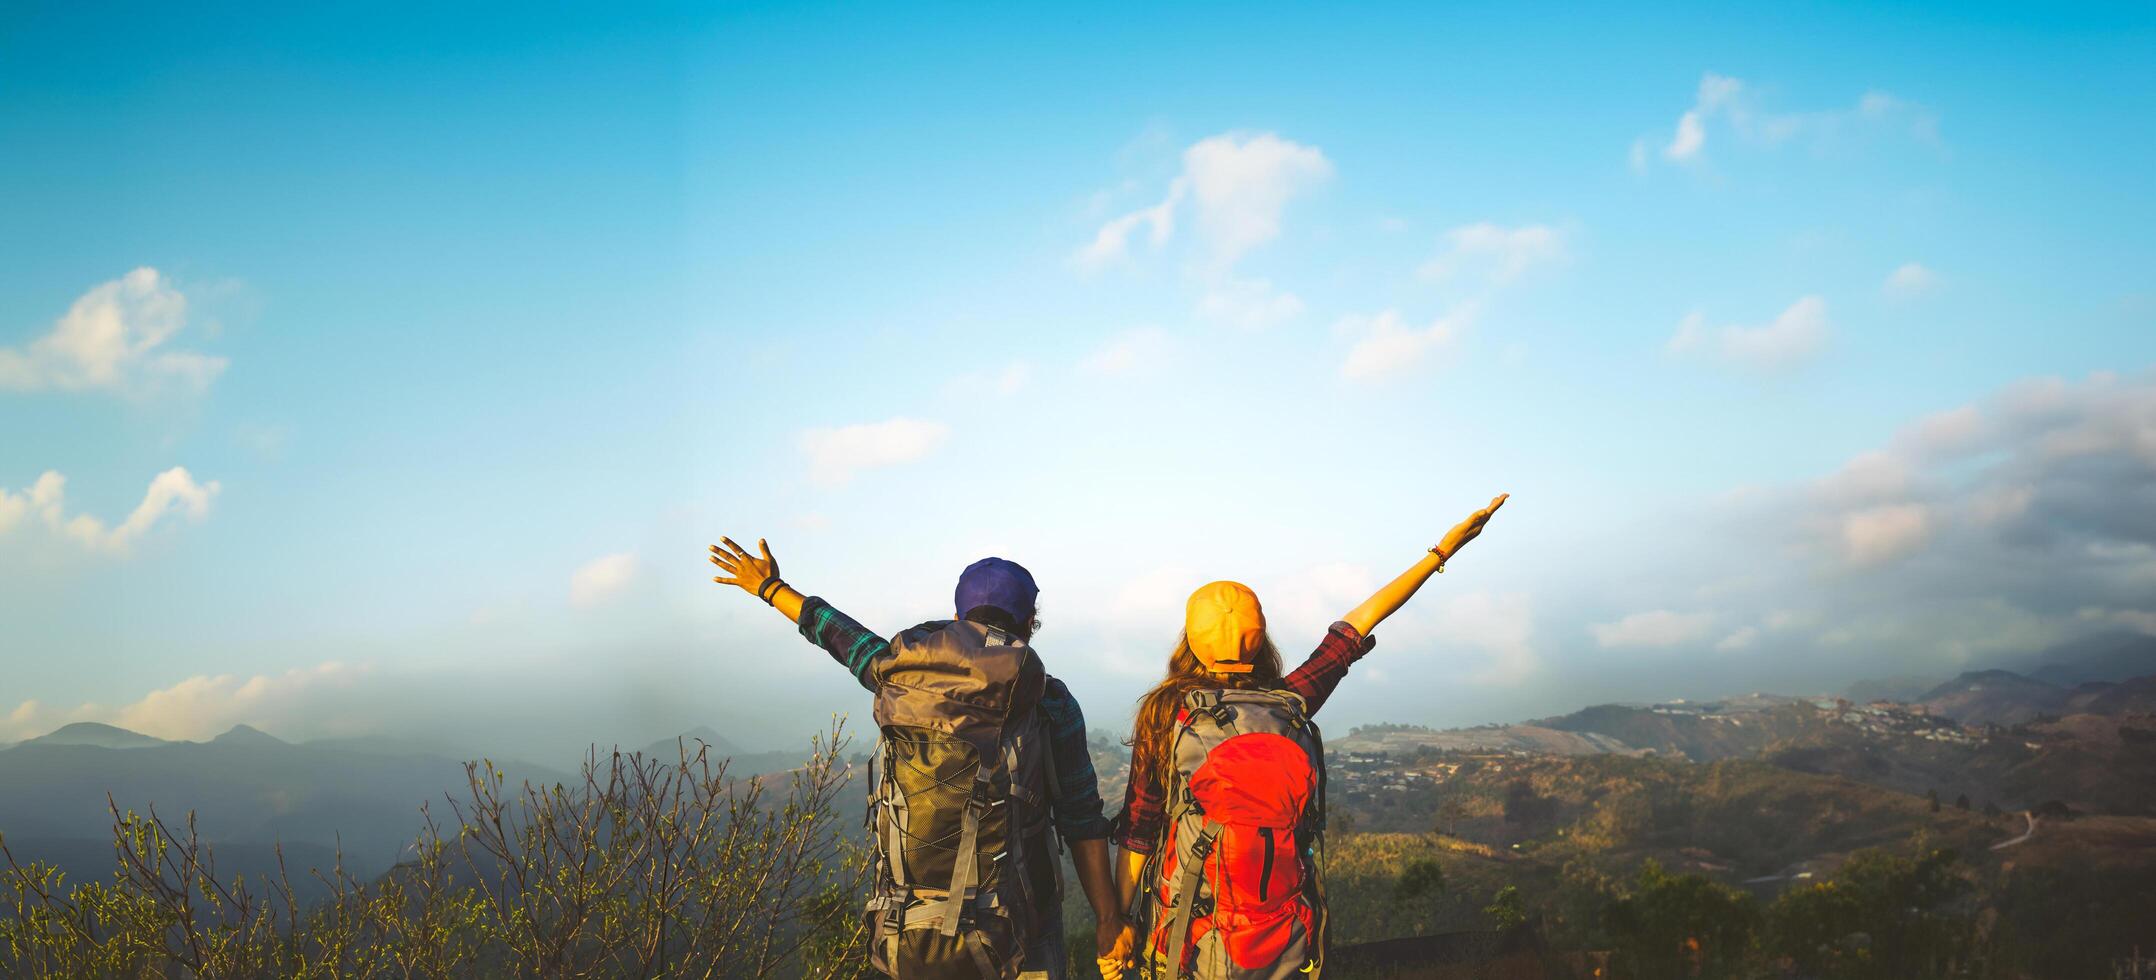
<point>644,868</point>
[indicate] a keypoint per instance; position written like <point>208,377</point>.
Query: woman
<point>1225,648</point>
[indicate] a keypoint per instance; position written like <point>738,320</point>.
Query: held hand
<point>742,569</point>
<point>1466,530</point>
<point>1117,953</point>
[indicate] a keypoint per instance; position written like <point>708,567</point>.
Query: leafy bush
<point>644,868</point>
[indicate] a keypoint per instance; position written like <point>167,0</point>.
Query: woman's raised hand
<point>1466,530</point>
<point>742,569</point>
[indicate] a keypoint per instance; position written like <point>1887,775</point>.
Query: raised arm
<point>758,577</point>
<point>854,646</point>
<point>1395,594</point>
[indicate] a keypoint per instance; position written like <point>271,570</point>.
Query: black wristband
<point>769,589</point>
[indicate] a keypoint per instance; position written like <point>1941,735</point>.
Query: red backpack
<point>1232,890</point>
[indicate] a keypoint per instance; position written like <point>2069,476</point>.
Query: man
<point>1001,596</point>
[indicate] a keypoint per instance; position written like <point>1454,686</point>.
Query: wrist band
<point>1442,557</point>
<point>770,589</point>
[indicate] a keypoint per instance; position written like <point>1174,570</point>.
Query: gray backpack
<point>965,867</point>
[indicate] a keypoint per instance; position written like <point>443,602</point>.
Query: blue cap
<point>1004,585</point>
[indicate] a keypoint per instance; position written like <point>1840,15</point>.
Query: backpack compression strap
<point>969,840</point>
<point>1186,893</point>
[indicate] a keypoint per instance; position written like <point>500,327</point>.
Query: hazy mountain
<point>94,734</point>
<point>1392,739</point>
<point>391,745</point>
<point>2101,657</point>
<point>1735,728</point>
<point>2134,696</point>
<point>1999,697</point>
<point>247,735</point>
<point>246,789</point>
<point>1890,689</point>
<point>670,748</point>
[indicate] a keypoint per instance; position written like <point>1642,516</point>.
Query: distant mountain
<point>2134,696</point>
<point>738,763</point>
<point>670,748</point>
<point>390,745</point>
<point>1997,697</point>
<point>2101,657</point>
<point>94,734</point>
<point>1398,739</point>
<point>2095,763</point>
<point>1736,728</point>
<point>1904,689</point>
<point>247,735</point>
<point>245,788</point>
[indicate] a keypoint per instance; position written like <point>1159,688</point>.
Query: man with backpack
<point>982,766</point>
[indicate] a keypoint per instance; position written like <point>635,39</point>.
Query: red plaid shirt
<point>1138,827</point>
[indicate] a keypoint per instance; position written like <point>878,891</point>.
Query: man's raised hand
<point>743,570</point>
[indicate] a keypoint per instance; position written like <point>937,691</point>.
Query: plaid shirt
<point>1076,803</point>
<point>1145,807</point>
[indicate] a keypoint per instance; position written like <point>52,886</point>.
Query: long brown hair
<point>1149,761</point>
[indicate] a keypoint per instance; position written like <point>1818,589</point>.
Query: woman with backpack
<point>1226,796</point>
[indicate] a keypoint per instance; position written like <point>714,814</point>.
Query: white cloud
<point>1910,280</point>
<point>1740,639</point>
<point>601,579</point>
<point>1112,242</point>
<point>1716,93</point>
<point>1387,345</point>
<point>43,498</point>
<point>1494,254</point>
<point>1880,534</point>
<point>1485,258</point>
<point>1653,629</point>
<point>1730,103</point>
<point>1251,304</point>
<point>170,492</point>
<point>1242,185</point>
<point>1793,337</point>
<point>1238,184</point>
<point>1128,353</point>
<point>1690,136</point>
<point>113,338</point>
<point>836,454</point>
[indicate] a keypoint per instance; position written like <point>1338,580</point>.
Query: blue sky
<point>1814,345</point>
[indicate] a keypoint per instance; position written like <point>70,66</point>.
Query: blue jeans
<point>1047,959</point>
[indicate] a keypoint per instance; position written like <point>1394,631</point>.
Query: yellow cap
<point>1225,627</point>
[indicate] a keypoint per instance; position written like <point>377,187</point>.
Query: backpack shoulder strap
<point>1186,892</point>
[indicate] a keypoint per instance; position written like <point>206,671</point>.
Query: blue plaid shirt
<point>1077,805</point>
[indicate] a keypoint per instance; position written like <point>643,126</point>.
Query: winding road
<point>2031,832</point>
